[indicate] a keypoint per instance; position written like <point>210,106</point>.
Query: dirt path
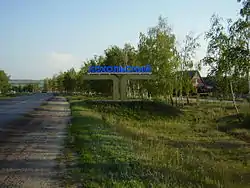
<point>29,148</point>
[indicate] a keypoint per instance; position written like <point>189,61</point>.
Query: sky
<point>41,38</point>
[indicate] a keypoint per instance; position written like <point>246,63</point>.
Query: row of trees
<point>25,88</point>
<point>6,87</point>
<point>227,56</point>
<point>158,47</point>
<point>228,50</point>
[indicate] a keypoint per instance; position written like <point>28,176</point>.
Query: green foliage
<point>4,82</point>
<point>227,53</point>
<point>187,55</point>
<point>157,47</point>
<point>113,147</point>
<point>227,56</point>
<point>245,10</point>
<point>30,88</point>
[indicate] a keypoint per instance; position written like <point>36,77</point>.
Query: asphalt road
<point>30,156</point>
<point>14,108</point>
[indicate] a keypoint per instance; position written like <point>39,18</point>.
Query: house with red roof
<point>198,82</point>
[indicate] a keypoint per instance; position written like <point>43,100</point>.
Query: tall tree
<point>69,80</point>
<point>187,55</point>
<point>243,27</point>
<point>130,58</point>
<point>46,84</point>
<point>226,54</point>
<point>158,48</point>
<point>60,82</point>
<point>4,82</point>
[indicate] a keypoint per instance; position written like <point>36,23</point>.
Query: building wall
<point>197,80</point>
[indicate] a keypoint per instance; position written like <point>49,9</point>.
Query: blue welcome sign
<point>120,70</point>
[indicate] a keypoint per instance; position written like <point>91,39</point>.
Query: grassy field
<point>147,144</point>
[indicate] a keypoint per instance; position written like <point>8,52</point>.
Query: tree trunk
<point>176,95</point>
<point>181,98</point>
<point>129,89</point>
<point>248,48</point>
<point>187,98</point>
<point>149,95</point>
<point>234,102</point>
<point>248,79</point>
<point>197,99</point>
<point>172,101</point>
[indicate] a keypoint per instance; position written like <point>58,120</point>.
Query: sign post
<point>119,83</point>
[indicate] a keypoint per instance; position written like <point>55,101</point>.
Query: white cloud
<point>62,57</point>
<point>59,61</point>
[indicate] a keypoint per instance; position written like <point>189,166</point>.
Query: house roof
<point>191,73</point>
<point>209,81</point>
<point>205,80</point>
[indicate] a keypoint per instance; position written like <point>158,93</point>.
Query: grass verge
<point>146,144</point>
<point>11,95</point>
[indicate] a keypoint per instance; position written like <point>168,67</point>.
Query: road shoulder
<point>29,156</point>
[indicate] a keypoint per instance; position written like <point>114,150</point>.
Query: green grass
<point>147,144</point>
<point>9,96</point>
<point>6,96</point>
<point>3,97</point>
